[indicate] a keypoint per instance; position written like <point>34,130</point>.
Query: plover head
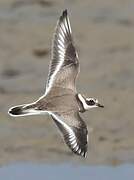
<point>89,103</point>
<point>92,102</point>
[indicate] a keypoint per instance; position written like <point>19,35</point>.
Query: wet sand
<point>103,34</point>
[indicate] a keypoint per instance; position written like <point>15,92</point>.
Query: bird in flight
<point>61,100</point>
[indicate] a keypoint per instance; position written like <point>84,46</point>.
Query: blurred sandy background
<point>103,32</point>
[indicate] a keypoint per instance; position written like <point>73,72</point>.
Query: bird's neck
<point>81,101</point>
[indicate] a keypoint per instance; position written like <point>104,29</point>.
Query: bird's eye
<point>91,102</point>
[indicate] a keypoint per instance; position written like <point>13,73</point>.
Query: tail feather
<point>23,110</point>
<point>15,111</point>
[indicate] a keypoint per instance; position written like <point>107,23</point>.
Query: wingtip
<point>83,154</point>
<point>80,153</point>
<point>64,13</point>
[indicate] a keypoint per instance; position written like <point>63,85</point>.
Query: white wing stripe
<point>63,27</point>
<point>62,33</point>
<point>61,43</point>
<point>61,50</point>
<point>61,55</point>
<point>82,153</point>
<point>64,124</point>
<point>79,151</point>
<point>70,131</point>
<point>69,25</point>
<point>61,37</point>
<point>52,77</point>
<point>66,26</point>
<point>71,136</point>
<point>75,145</point>
<point>72,142</point>
<point>77,148</point>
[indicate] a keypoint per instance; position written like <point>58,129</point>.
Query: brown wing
<point>74,131</point>
<point>64,65</point>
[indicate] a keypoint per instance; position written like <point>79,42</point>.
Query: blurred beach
<point>103,33</point>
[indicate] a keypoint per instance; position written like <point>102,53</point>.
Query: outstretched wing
<point>64,65</point>
<point>74,131</point>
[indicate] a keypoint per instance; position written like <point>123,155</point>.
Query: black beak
<point>100,105</point>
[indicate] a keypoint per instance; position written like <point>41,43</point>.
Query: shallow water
<point>65,171</point>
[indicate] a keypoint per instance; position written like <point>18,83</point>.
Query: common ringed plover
<point>61,100</point>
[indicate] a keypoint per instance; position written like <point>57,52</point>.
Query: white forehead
<point>94,99</point>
